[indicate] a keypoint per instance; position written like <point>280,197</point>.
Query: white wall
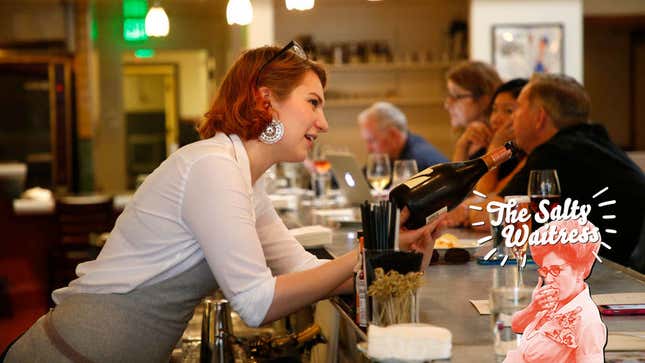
<point>260,31</point>
<point>485,13</point>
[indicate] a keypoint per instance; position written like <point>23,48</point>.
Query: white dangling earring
<point>273,132</point>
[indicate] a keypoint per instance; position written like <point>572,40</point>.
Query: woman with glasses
<point>562,323</point>
<point>470,86</point>
<point>203,221</point>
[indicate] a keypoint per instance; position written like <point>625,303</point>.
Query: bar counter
<point>447,289</point>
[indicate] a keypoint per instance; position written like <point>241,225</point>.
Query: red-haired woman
<point>200,221</point>
<point>562,323</point>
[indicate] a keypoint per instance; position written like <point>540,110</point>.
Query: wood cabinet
<point>37,127</point>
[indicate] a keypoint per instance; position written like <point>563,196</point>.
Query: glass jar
<point>396,309</point>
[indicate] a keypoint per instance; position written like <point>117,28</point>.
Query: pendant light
<point>299,4</point>
<point>239,12</point>
<point>157,24</point>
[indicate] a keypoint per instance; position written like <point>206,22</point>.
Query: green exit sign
<point>134,20</point>
<point>135,8</point>
<point>134,29</point>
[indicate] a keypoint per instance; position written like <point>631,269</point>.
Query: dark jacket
<point>588,161</point>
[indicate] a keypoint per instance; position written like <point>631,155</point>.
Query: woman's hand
<point>458,217</point>
<point>419,240</point>
<point>503,134</point>
<point>544,297</point>
<point>477,134</point>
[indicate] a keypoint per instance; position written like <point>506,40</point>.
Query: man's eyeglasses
<point>293,46</point>
<point>553,270</point>
<point>458,97</point>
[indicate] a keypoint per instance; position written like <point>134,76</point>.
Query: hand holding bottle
<point>421,239</point>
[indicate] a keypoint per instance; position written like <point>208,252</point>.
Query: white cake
<point>411,342</point>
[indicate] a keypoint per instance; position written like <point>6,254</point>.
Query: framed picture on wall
<point>519,50</point>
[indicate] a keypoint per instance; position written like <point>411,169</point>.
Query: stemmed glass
<point>543,184</point>
<point>404,169</point>
<point>378,172</point>
<point>321,175</point>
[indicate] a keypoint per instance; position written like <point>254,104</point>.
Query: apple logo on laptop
<point>349,180</point>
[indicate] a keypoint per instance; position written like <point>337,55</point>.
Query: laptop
<point>350,177</point>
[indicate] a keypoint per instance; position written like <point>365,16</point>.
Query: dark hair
<point>514,87</point>
<point>238,107</point>
<point>478,78</point>
<point>563,98</point>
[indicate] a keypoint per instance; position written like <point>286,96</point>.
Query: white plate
<point>468,244</point>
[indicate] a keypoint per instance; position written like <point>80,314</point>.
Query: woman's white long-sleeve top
<point>199,203</point>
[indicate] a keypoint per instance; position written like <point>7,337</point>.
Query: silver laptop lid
<point>349,177</point>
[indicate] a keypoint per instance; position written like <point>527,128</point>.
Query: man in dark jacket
<point>551,125</point>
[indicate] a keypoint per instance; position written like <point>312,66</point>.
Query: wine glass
<point>522,202</point>
<point>403,170</point>
<point>321,178</point>
<point>378,171</point>
<point>543,184</point>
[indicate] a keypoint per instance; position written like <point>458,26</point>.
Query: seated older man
<point>552,125</point>
<point>384,128</point>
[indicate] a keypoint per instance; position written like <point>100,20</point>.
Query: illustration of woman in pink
<point>562,323</point>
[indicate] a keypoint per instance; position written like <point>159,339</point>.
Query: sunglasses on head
<point>293,47</point>
<point>553,270</point>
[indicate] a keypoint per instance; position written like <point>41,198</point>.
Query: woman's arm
<point>522,319</point>
<point>219,210</point>
<point>488,182</point>
<point>297,289</point>
<point>502,183</point>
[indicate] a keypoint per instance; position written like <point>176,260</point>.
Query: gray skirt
<point>140,326</point>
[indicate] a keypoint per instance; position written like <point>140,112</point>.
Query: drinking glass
<point>523,203</point>
<point>543,184</point>
<point>504,302</point>
<point>378,171</point>
<point>496,234</point>
<point>321,177</point>
<point>403,170</point>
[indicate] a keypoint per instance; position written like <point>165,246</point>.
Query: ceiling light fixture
<point>299,4</point>
<point>157,23</point>
<point>239,12</point>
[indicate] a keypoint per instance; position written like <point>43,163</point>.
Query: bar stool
<point>79,219</point>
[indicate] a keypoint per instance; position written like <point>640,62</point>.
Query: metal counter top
<point>445,295</point>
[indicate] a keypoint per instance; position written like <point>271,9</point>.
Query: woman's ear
<point>266,96</point>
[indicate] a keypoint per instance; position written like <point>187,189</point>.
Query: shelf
<point>399,101</point>
<point>380,67</point>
